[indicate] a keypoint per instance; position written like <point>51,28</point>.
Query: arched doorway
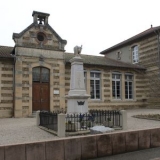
<point>40,89</point>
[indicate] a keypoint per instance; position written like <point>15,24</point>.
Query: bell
<point>40,22</point>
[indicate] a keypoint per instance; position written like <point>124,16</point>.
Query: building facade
<point>35,75</point>
<point>142,49</point>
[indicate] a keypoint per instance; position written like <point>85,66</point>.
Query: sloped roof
<point>102,61</point>
<point>138,36</point>
<point>18,35</point>
<point>5,52</point>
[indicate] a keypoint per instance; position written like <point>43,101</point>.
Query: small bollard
<point>61,125</point>
<point>123,119</point>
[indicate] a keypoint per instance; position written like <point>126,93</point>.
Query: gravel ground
<point>23,130</point>
<point>136,123</point>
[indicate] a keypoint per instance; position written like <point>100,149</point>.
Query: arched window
<point>41,75</point>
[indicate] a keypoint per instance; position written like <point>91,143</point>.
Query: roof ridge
<point>6,46</point>
<point>148,31</point>
<point>85,54</point>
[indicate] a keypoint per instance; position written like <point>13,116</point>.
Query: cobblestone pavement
<point>23,130</point>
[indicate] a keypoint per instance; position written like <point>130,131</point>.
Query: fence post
<point>123,119</point>
<point>37,118</point>
<point>61,125</point>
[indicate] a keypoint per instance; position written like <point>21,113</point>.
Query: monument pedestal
<point>77,98</point>
<point>77,104</point>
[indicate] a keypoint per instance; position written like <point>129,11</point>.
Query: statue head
<point>77,50</point>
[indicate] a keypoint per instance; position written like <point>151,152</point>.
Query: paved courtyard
<point>23,130</point>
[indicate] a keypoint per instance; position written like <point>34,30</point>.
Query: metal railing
<point>49,120</point>
<point>79,122</point>
<point>108,118</point>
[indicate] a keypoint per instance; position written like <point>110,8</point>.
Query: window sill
<point>95,100</point>
<point>124,100</point>
<point>117,100</point>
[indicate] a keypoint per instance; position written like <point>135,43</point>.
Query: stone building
<point>142,49</point>
<point>35,74</point>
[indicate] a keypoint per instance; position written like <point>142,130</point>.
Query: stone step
<point>33,114</point>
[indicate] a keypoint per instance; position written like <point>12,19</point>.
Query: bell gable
<point>39,35</point>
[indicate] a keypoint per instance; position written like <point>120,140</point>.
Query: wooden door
<point>40,89</point>
<point>36,101</point>
<point>45,97</point>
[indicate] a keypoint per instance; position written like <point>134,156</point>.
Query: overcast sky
<point>95,24</point>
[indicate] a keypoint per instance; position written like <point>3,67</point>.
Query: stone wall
<point>149,58</point>
<point>29,39</point>
<point>83,147</point>
<point>25,63</point>
<point>6,88</point>
<point>106,101</point>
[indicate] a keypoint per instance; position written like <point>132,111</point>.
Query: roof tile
<point>6,51</point>
<point>102,61</point>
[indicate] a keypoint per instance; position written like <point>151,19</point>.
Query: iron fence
<point>108,118</point>
<point>49,120</point>
<point>79,122</point>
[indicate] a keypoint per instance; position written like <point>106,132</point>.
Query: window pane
<point>113,76</point>
<point>92,82</point>
<point>95,85</point>
<point>97,75</point>
<point>45,75</point>
<point>129,87</point>
<point>92,74</point>
<point>135,55</point>
<point>116,86</point>
<point>97,96</point>
<point>36,74</point>
<point>118,76</point>
<point>97,82</point>
<point>92,95</point>
<point>92,89</point>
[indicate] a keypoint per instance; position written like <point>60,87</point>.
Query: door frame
<point>48,66</point>
<point>40,86</point>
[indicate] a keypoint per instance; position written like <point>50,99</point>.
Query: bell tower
<point>40,35</point>
<point>40,18</point>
